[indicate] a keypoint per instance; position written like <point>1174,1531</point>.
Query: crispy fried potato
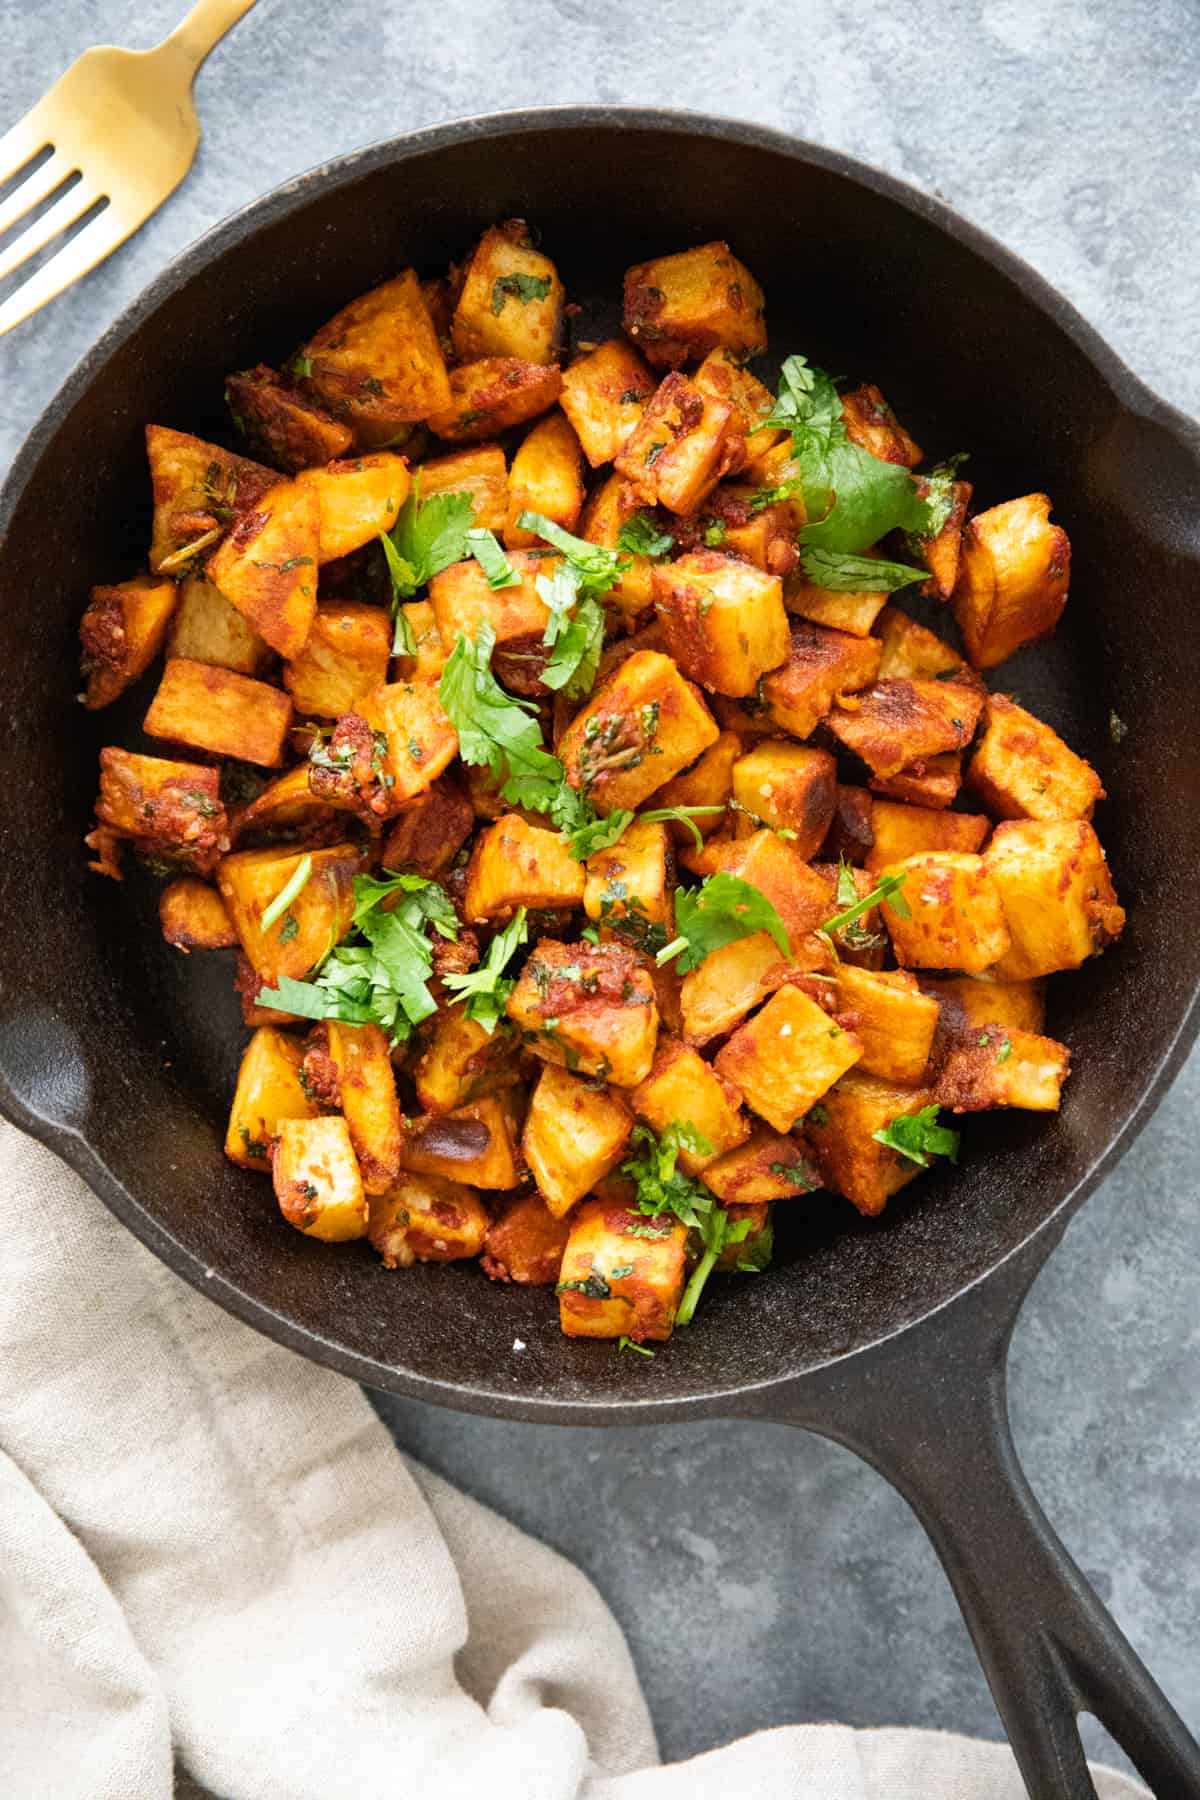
<point>680,307</point>
<point>121,633</point>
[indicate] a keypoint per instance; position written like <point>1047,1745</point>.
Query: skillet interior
<point>123,1053</point>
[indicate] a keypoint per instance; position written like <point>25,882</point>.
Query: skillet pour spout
<point>888,1335</point>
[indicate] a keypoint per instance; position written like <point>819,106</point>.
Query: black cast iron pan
<point>888,1336</point>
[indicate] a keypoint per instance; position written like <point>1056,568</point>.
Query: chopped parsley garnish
<point>520,287</point>
<point>888,889</point>
<point>715,534</point>
<point>602,834</point>
<point>720,911</point>
<point>485,989</point>
<point>575,630</point>
<point>289,929</point>
<point>717,1230</point>
<point>843,574</point>
<point>378,973</point>
<point>425,539</point>
<point>253,1146</point>
<point>592,1287</point>
<point>495,730</point>
<point>1005,1051</point>
<point>484,546</point>
<point>919,1137</point>
<point>939,492</point>
<point>294,885</point>
<point>301,366</point>
<point>627,1343</point>
<point>661,1187</point>
<point>640,536</point>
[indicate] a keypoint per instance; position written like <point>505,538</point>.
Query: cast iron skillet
<point>890,1337</point>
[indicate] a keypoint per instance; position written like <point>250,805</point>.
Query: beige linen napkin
<point>209,1548</point>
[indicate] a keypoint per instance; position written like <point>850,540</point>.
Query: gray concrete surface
<point>764,1576</point>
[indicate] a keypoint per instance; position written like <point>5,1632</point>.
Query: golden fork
<point>124,122</point>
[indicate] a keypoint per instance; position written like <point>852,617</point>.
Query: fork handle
<point>205,26</point>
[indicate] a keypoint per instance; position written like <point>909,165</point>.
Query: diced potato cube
<point>368,1099</point>
<point>198,488</point>
<point>778,469</point>
<point>969,1003</point>
<point>851,836</point>
<point>723,620</point>
<point>683,444</point>
<point>955,917</point>
<point>854,611</point>
<point>575,1134</point>
<point>1014,571</point>
<point>728,984</point>
<point>285,810</point>
<point>1004,1066</point>
<point>493,394</point>
<point>874,427</point>
<point>377,364</point>
<point>1056,893</point>
<point>1023,770</point>
<point>763,535</point>
<point>280,425</point>
<point>526,1243</point>
<point>941,553</point>
<point>590,1009</point>
<point>171,810</point>
<point>903,831</point>
<point>607,509</point>
<point>344,659</point>
<point>777,869</point>
<point>682,1088</point>
<point>893,723</point>
<point>821,668</point>
<point>629,888</point>
<point>911,653</point>
<point>622,1273</point>
<point>431,829</point>
<point>462,1061</point>
<point>421,741</point>
<point>267,566</point>
<point>121,633</point>
<point>268,1091</point>
<point>723,375</point>
<point>206,628</point>
<point>930,781</point>
<point>320,914</point>
<point>480,471</point>
<point>709,782</point>
<point>894,1021</point>
<point>680,307</point>
<point>603,395</point>
<point>431,655</point>
<point>640,728</point>
<point>475,1143</point>
<point>768,1166</point>
<point>787,1056</point>
<point>789,787</point>
<point>422,1218</point>
<point>193,916</point>
<point>546,477</point>
<point>317,1182</point>
<point>462,600</point>
<point>213,709</point>
<point>358,498</point>
<point>841,1130</point>
<point>516,864</point>
<point>511,299</point>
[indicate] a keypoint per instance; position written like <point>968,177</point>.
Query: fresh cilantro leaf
<point>939,492</point>
<point>717,1230</point>
<point>495,730</point>
<point>627,1343</point>
<point>847,887</point>
<point>919,1137</point>
<point>425,539</point>
<point>758,1253</point>
<point>888,889</point>
<point>599,834</point>
<point>843,574</point>
<point>715,534</point>
<point>596,568</point>
<point>720,911</point>
<point>661,1187</point>
<point>641,537</point>
<point>287,893</point>
<point>574,633</point>
<point>1005,1051</point>
<point>301,366</point>
<point>484,546</point>
<point>486,989</point>
<point>521,287</point>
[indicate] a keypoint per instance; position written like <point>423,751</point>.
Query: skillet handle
<point>931,1416</point>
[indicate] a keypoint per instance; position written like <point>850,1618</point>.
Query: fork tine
<point>32,189</point>
<point>56,218</point>
<point>96,241</point>
<point>22,141</point>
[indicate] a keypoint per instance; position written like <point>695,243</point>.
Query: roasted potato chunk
<point>789,787</point>
<point>682,1088</point>
<point>431,829</point>
<point>678,308</point>
<point>628,888</point>
<point>930,781</point>
<point>850,610</point>
<point>622,1273</point>
<point>430,655</point>
<point>873,426</point>
<point>969,1003</point>
<point>171,810</point>
<point>492,395</point>
<point>421,741</point>
<point>893,1020</point>
<point>575,1134</point>
<point>841,1130</point>
<point>511,299</point>
<point>462,601</point>
<point>1056,893</point>
<point>1013,575</point>
<point>206,628</point>
<point>941,553</point>
<point>344,658</point>
<point>462,1061</point>
<point>546,477</point>
<point>279,425</point>
<point>193,916</point>
<point>736,524</point>
<point>1023,770</point>
<point>1004,1066</point>
<point>377,365</point>
<point>709,782</point>
<point>683,444</point>
<point>640,728</point>
<point>269,1090</point>
<point>911,653</point>
<point>894,723</point>
<point>317,1182</point>
<point>514,864</point>
<point>526,1243</point>
<point>368,1100</point>
<point>902,831</point>
<point>723,375</point>
<point>319,916</point>
<point>267,565</point>
<point>723,620</point>
<point>955,917</point>
<point>479,471</point>
<point>198,488</point>
<point>850,837</point>
<point>422,1218</point>
<point>215,710</point>
<point>286,811</point>
<point>607,509</point>
<point>768,1166</point>
<point>787,1056</point>
<point>121,633</point>
<point>475,1143</point>
<point>822,667</point>
<point>590,1009</point>
<point>358,498</point>
<point>604,394</point>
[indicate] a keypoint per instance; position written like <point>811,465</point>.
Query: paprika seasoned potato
<point>611,851</point>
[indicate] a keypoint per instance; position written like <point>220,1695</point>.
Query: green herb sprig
<point>919,1137</point>
<point>486,989</point>
<point>720,911</point>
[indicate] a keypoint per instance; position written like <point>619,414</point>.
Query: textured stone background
<point>764,1576</point>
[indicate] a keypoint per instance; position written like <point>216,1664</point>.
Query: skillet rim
<point>1135,398</point>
